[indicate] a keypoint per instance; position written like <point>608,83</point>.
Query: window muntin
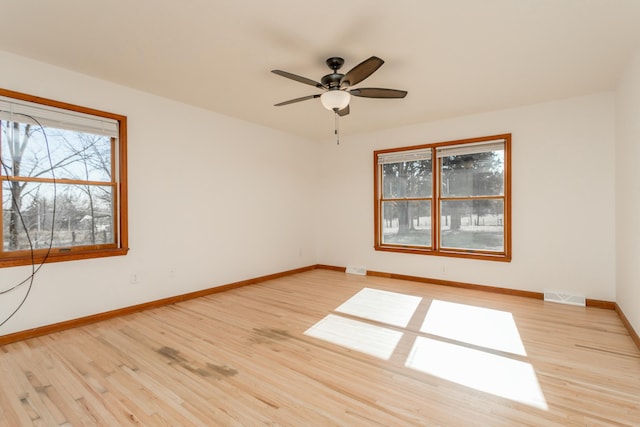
<point>463,196</point>
<point>63,176</point>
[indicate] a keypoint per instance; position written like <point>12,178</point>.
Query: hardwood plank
<point>243,357</point>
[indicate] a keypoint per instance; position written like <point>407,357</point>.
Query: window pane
<point>472,224</point>
<point>406,179</point>
<point>407,223</point>
<point>30,151</point>
<point>476,174</point>
<point>83,215</point>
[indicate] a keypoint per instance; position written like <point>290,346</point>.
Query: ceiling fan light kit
<point>335,100</point>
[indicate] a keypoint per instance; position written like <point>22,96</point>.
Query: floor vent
<point>565,298</point>
<point>361,271</point>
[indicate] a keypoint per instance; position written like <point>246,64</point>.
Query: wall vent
<point>565,298</point>
<point>361,271</point>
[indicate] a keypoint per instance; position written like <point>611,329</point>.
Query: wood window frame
<point>118,183</point>
<point>436,198</point>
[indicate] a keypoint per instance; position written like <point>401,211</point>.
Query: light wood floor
<point>278,353</point>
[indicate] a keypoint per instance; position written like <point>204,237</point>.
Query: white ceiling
<point>454,57</point>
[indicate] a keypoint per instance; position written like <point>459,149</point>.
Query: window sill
<point>39,258</point>
<point>453,254</point>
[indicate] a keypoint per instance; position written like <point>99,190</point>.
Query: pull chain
<point>337,127</point>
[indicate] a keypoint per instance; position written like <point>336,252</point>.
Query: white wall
<point>627,177</point>
<point>563,185</point>
<point>212,200</point>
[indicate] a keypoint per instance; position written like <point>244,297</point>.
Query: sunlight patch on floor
<point>461,348</point>
<point>360,336</point>
<point>492,329</point>
<point>391,308</point>
<point>501,376</point>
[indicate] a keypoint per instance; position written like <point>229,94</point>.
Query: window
<point>450,198</point>
<point>63,175</point>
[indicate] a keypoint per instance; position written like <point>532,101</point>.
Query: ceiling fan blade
<point>298,78</point>
<point>291,101</point>
<point>361,71</point>
<point>344,111</point>
<point>377,92</point>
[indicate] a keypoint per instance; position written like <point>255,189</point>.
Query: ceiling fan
<point>337,87</point>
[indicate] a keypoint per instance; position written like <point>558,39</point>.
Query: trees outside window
<point>450,198</point>
<point>63,176</point>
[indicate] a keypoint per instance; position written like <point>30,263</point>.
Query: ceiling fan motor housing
<point>332,81</point>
